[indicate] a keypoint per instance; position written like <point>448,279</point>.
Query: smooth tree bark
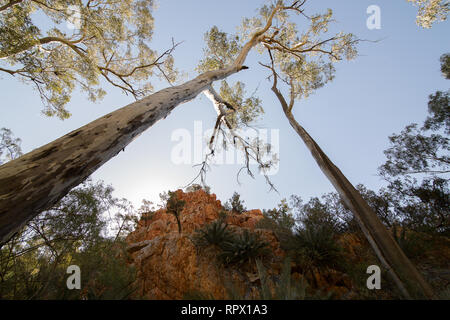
<point>405,275</point>
<point>37,180</point>
<point>40,178</point>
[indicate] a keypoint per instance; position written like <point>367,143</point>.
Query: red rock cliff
<point>169,265</point>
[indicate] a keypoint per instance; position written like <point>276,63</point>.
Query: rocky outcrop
<point>170,266</point>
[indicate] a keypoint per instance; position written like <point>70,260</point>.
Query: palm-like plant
<point>215,233</point>
<point>243,247</point>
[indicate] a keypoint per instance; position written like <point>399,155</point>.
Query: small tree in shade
<point>235,204</point>
<point>175,206</point>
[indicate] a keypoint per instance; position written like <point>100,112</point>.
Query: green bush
<point>175,206</point>
<point>317,247</point>
<point>214,233</point>
<point>235,204</point>
<point>413,244</point>
<point>285,287</point>
<point>243,247</point>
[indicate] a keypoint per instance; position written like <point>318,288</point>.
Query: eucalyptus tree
<point>83,43</point>
<point>418,165</point>
<point>38,179</point>
<point>430,11</point>
<point>86,228</point>
<point>303,60</point>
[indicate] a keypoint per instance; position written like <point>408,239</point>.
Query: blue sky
<point>373,96</point>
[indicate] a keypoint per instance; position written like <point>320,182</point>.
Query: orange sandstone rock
<point>170,266</point>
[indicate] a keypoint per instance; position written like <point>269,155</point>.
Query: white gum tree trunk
<point>408,280</point>
<point>40,178</point>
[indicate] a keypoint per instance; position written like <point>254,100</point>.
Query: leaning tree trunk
<point>405,275</point>
<point>38,179</point>
<point>403,272</point>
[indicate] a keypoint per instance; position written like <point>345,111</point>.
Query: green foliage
<point>175,206</point>
<point>413,244</point>
<point>412,152</point>
<point>439,110</point>
<point>108,274</point>
<point>312,243</point>
<point>445,65</point>
<point>317,247</point>
<point>304,60</point>
<point>416,168</point>
<point>285,288</point>
<point>215,233</point>
<point>82,230</point>
<point>235,204</point>
<point>281,221</point>
<point>243,247</point>
<point>110,42</point>
<point>221,50</point>
<point>315,215</point>
<point>282,215</point>
<point>431,11</point>
<point>146,211</point>
<point>248,109</point>
<point>9,146</point>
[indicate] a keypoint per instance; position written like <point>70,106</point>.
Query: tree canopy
<point>109,42</point>
<point>431,11</point>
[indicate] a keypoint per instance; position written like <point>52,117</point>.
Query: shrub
<point>317,247</point>
<point>214,233</point>
<point>243,247</point>
<point>285,288</point>
<point>175,206</point>
<point>281,221</point>
<point>235,204</point>
<point>414,244</point>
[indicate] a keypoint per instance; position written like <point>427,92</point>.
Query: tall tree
<point>305,63</point>
<point>418,165</point>
<point>407,278</point>
<point>83,43</point>
<point>40,178</point>
<point>86,228</point>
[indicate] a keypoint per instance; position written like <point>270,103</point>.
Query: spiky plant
<point>214,233</point>
<point>243,247</point>
<point>316,246</point>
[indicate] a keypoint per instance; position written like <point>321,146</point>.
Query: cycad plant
<point>242,248</point>
<point>317,247</point>
<point>214,233</point>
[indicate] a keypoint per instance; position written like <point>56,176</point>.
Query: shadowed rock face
<point>170,266</point>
